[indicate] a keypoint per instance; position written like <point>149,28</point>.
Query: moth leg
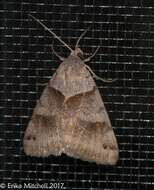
<point>61,58</point>
<point>97,77</point>
<point>89,58</point>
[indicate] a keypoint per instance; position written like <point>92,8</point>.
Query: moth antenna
<point>89,58</point>
<point>97,77</point>
<point>60,57</point>
<point>81,36</point>
<point>46,28</point>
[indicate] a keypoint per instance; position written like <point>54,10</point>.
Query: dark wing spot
<point>30,137</point>
<point>101,108</point>
<point>104,146</point>
<point>113,148</point>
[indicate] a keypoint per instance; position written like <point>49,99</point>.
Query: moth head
<point>78,52</point>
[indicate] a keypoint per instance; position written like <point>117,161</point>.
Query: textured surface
<point>125,31</point>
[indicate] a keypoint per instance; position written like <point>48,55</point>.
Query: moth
<point>70,116</point>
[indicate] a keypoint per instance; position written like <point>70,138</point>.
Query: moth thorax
<point>79,53</point>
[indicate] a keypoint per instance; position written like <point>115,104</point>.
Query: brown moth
<point>70,116</point>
